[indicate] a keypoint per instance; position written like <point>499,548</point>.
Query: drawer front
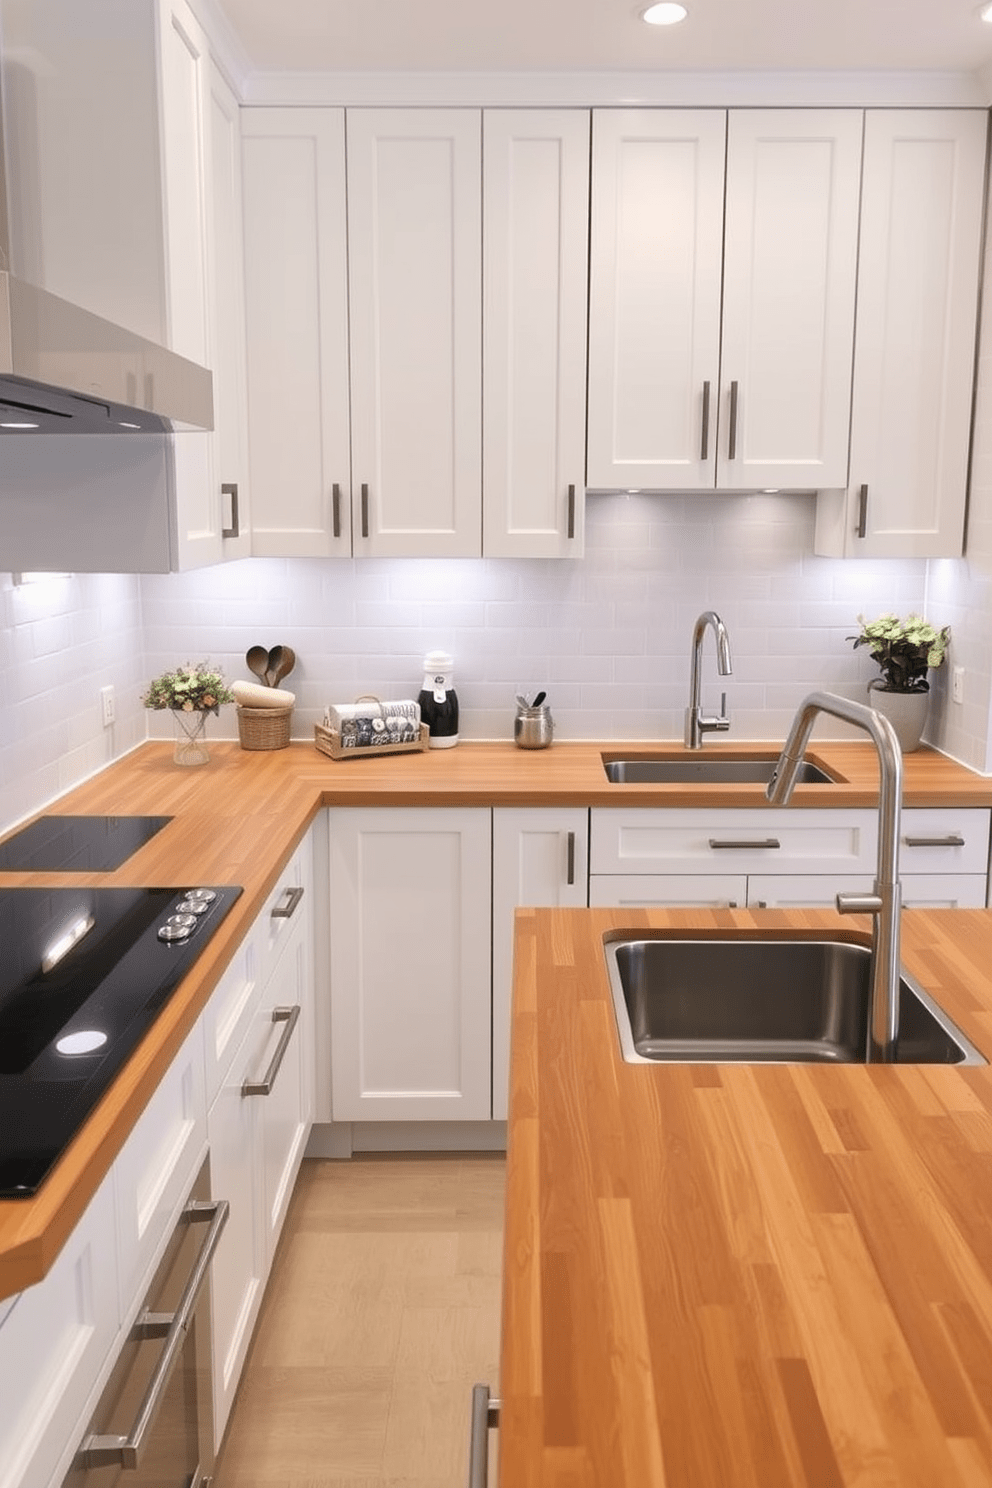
<point>804,890</point>
<point>228,1015</point>
<point>282,908</point>
<point>943,890</point>
<point>668,890</point>
<point>942,840</point>
<point>741,841</point>
<point>54,1343</point>
<point>157,1165</point>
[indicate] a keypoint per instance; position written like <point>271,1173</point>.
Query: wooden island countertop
<point>237,820</point>
<point>777,1276</point>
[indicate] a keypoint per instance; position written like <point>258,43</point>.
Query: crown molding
<point>626,89</point>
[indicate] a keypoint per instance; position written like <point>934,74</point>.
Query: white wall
<point>607,636</point>
<point>61,640</point>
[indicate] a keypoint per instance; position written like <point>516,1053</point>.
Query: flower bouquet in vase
<point>191,692</point>
<point>905,651</point>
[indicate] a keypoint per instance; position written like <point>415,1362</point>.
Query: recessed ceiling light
<point>985,12</point>
<point>667,13</point>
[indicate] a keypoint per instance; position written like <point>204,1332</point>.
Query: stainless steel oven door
<point>153,1426</point>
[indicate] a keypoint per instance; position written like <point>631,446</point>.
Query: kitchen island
<point>238,819</point>
<point>766,1275</point>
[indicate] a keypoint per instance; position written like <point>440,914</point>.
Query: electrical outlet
<point>957,684</point>
<point>108,706</point>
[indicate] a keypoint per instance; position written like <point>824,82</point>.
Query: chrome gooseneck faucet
<point>885,903</point>
<point>695,723</point>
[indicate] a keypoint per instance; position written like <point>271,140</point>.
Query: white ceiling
<point>309,36</point>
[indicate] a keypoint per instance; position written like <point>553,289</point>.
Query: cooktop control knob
<point>205,896</point>
<point>192,906</point>
<point>177,927</point>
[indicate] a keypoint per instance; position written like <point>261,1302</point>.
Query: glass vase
<point>191,737</point>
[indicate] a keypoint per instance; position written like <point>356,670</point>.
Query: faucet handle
<point>858,904</point>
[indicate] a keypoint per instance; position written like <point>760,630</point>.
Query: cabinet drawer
<point>943,890</point>
<point>54,1342</point>
<point>672,890</point>
<point>942,840</point>
<point>227,1016</point>
<point>742,841</point>
<point>282,908</point>
<point>157,1165</point>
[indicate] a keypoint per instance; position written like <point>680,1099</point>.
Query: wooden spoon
<point>258,660</point>
<point>282,660</point>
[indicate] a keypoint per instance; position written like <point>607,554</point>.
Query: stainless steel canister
<point>533,728</point>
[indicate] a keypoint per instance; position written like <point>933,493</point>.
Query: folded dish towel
<point>372,721</point>
<point>254,695</point>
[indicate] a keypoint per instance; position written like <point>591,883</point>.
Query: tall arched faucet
<point>695,723</point>
<point>885,904</point>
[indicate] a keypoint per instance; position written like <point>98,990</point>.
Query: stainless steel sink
<point>703,769</point>
<point>752,1001</point>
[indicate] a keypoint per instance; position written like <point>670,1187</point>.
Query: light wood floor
<point>381,1313</point>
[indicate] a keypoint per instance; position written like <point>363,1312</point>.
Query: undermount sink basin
<point>745,1000</point>
<point>703,769</point>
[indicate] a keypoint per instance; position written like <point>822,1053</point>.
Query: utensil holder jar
<point>533,728</point>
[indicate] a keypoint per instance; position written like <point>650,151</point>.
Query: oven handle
<point>125,1451</point>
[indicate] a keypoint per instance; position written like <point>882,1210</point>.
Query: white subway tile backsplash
<point>607,636</point>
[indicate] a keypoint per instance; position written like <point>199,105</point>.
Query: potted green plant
<point>190,692</point>
<point>906,651</point>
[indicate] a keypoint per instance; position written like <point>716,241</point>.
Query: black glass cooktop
<point>78,844</point>
<point>84,972</point>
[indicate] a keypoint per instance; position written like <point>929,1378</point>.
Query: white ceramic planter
<point>906,711</point>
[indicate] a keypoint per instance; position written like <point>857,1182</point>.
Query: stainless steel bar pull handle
<point>125,1451</point>
<point>336,509</point>
<point>732,436</point>
<point>953,839</point>
<point>485,1414</point>
<point>744,844</point>
<point>704,449</point>
<point>365,509</point>
<point>570,859</point>
<point>289,1016</point>
<point>231,489</point>
<point>571,513</point>
<point>862,528</point>
<point>287,906</point>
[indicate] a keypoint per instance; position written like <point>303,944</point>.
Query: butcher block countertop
<point>777,1276</point>
<point>237,819</point>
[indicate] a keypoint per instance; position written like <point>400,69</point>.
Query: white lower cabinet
<point>540,858</point>
<point>410,964</point>
<point>786,859</point>
<point>260,1116</point>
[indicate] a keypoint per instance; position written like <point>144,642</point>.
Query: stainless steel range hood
<point>64,370</point>
<point>81,225</point>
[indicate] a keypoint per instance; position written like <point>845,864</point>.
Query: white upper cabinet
<point>296,294</point>
<point>790,270</point>
<point>921,230</point>
<point>227,319</point>
<point>656,256</point>
<point>682,396</point>
<point>415,288</point>
<point>535,256</point>
<point>186,108</point>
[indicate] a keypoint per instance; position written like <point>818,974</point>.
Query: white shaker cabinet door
<point>296,294</point>
<point>186,109</point>
<point>918,279</point>
<point>415,291</point>
<point>535,259</point>
<point>790,270</point>
<point>227,319</point>
<point>410,963</point>
<point>656,254</point>
<point>540,858</point>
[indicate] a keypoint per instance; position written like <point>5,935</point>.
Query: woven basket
<point>264,728</point>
